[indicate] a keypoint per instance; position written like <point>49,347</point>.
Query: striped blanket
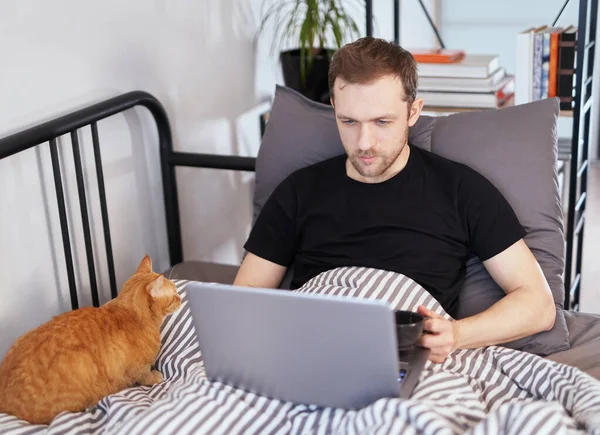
<point>483,391</point>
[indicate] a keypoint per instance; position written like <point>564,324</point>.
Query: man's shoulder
<point>466,182</point>
<point>303,181</point>
<point>324,168</point>
<point>445,167</point>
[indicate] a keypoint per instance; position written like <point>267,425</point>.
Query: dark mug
<point>409,327</point>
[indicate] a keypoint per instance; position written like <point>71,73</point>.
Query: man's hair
<point>367,59</point>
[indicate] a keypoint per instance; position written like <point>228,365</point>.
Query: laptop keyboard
<point>402,370</point>
<point>401,375</point>
<point>405,356</point>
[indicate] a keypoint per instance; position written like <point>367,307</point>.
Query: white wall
<point>193,56</point>
<point>199,60</point>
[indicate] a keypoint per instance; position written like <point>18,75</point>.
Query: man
<point>395,207</point>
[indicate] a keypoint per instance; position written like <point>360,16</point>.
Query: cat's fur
<point>79,357</point>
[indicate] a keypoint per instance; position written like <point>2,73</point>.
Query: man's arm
<point>527,308</point>
<point>258,272</point>
<point>272,241</point>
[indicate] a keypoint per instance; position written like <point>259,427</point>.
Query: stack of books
<point>546,64</point>
<point>453,79</point>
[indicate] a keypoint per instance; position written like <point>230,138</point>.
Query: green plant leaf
<point>274,9</point>
<point>295,16</point>
<point>309,23</point>
<point>335,28</point>
<point>306,41</point>
<point>282,34</point>
<point>274,13</point>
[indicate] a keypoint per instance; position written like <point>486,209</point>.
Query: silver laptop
<point>308,349</point>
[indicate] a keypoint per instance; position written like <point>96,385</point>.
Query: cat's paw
<point>151,378</point>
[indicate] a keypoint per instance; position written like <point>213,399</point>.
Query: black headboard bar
<point>54,128</point>
<point>103,210</point>
<point>213,161</point>
<point>87,236</point>
<point>62,214</point>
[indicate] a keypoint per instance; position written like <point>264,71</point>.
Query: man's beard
<point>381,163</point>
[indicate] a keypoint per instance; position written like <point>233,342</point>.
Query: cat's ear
<point>159,287</point>
<point>146,265</point>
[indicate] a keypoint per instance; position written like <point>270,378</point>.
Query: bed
<point>548,383</point>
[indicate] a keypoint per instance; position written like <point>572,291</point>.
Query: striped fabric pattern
<point>481,391</point>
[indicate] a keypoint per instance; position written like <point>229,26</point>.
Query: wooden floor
<point>590,276</point>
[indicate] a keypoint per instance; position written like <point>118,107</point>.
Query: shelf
<point>579,144</point>
<point>439,109</point>
<point>442,109</point>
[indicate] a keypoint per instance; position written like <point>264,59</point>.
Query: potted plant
<point>315,29</point>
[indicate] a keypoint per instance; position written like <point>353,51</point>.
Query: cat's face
<point>154,288</point>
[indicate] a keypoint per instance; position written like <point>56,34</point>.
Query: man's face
<point>373,121</point>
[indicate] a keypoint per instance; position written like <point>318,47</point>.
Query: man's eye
<point>382,122</point>
<point>349,121</point>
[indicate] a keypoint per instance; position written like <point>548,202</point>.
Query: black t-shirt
<point>425,222</point>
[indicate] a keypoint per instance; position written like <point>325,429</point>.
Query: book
<point>463,84</point>
<point>524,65</point>
<point>553,65</point>
<point>497,98</point>
<point>538,47</point>
<point>567,48</point>
<point>545,64</point>
<point>471,66</point>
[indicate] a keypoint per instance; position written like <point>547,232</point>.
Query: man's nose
<point>366,140</point>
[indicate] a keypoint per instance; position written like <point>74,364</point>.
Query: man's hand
<point>439,335</point>
<point>526,309</point>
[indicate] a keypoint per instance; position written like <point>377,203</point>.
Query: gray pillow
<point>512,147</point>
<point>516,149</point>
<point>301,132</point>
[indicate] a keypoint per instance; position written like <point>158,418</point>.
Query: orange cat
<point>79,357</point>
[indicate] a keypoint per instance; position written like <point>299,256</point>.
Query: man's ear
<point>415,111</point>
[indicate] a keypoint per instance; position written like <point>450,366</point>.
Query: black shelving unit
<point>580,144</point>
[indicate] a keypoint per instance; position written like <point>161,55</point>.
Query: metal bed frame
<point>49,133</point>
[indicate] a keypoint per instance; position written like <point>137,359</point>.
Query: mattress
<point>584,336</point>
